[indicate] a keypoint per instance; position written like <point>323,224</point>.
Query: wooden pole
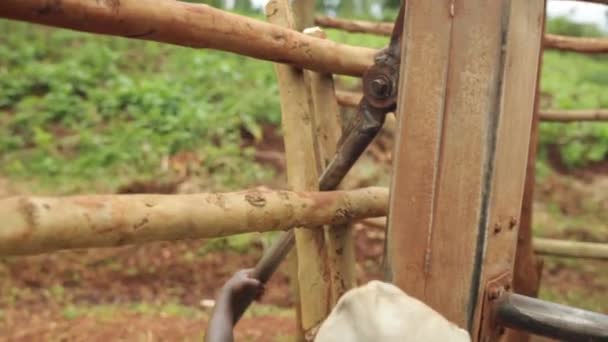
<point>193,25</point>
<point>527,271</point>
<point>304,13</point>
<point>302,174</point>
<point>328,129</point>
<point>572,249</point>
<point>464,113</point>
<point>551,41</point>
<point>356,26</point>
<point>33,225</point>
<point>557,115</point>
<point>351,99</point>
<point>577,44</point>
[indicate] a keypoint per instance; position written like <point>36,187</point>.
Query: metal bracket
<point>490,330</point>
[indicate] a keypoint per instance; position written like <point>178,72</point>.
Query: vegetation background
<point>84,113</point>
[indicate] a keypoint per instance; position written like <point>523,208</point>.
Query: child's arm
<point>222,319</point>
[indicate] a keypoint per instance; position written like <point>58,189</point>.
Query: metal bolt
<point>381,87</point>
<point>494,293</point>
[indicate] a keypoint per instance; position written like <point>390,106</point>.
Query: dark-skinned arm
<point>224,313</point>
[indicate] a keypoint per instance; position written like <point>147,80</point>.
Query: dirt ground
<point>154,292</point>
<point>164,291</point>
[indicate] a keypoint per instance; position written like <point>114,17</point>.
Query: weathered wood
<point>464,111</point>
<point>518,95</point>
<point>356,26</point>
<point>420,108</point>
<point>193,25</point>
<point>577,44</point>
<point>302,174</point>
<point>574,115</point>
<point>572,249</point>
<point>328,129</point>
<point>551,41</point>
<point>351,99</point>
<point>304,13</point>
<point>33,225</point>
<point>527,271</point>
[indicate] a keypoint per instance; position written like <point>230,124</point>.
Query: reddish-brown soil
<point>32,309</point>
<point>36,292</point>
<point>48,326</point>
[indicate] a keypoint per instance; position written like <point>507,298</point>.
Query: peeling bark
<point>32,225</point>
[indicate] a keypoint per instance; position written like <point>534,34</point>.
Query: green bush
<point>575,81</point>
<point>564,26</point>
<point>78,107</point>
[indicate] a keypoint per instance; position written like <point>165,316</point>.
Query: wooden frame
<point>465,123</point>
<point>465,108</point>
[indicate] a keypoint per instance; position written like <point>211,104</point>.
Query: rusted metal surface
<point>489,328</point>
<point>32,225</point>
<point>351,99</point>
<point>380,85</point>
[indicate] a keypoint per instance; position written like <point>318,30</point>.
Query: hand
<point>230,305</point>
<point>241,286</point>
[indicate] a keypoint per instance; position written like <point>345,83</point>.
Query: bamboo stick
<point>32,225</point>
<point>328,129</point>
<point>577,44</point>
<point>351,99</point>
<point>572,249</point>
<point>550,41</point>
<point>193,25</point>
<point>304,13</point>
<point>297,121</point>
<point>574,115</point>
<point>543,246</point>
<point>356,26</point>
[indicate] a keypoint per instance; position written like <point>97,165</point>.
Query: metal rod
<point>550,319</point>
